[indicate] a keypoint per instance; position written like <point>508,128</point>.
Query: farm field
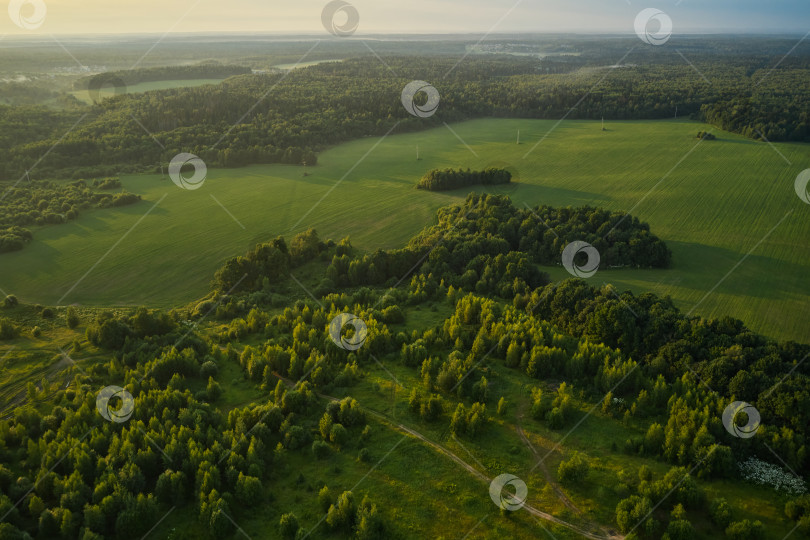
<point>712,202</point>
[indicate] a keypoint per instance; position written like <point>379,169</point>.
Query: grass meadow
<point>727,209</point>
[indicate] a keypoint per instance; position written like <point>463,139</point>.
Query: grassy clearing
<point>712,203</point>
<point>83,95</point>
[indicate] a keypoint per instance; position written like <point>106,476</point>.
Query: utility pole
<point>676,112</point>
<point>417,152</point>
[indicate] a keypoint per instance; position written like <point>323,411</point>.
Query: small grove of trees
<point>43,203</point>
<point>446,179</point>
<point>469,421</point>
<point>267,263</point>
<point>14,238</point>
<point>364,519</point>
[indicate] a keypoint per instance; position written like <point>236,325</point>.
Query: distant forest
<point>313,108</point>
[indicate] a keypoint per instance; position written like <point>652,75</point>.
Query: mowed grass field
<point>727,209</point>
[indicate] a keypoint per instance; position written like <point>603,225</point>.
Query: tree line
<point>331,103</point>
<point>447,179</point>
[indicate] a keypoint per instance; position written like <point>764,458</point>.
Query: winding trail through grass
<point>553,483</point>
<point>385,419</point>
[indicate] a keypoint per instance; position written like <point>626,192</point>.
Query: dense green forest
<point>68,473</point>
<point>486,245</point>
<point>50,203</point>
<point>447,179</point>
<point>323,105</point>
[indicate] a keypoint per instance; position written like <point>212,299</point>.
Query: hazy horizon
<point>419,17</point>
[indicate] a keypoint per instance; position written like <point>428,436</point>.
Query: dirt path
<point>473,471</point>
<point>551,482</point>
<point>15,394</point>
<point>543,467</point>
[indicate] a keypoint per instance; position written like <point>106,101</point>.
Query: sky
<point>400,16</point>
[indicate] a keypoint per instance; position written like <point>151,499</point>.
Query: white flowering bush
<point>768,474</point>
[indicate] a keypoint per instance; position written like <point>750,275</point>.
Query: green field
<point>82,95</point>
<point>713,206</point>
<point>292,65</point>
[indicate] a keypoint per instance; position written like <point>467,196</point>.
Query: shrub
<point>11,301</point>
<point>288,526</point>
<point>574,470</point>
<point>7,329</point>
<point>338,435</point>
<point>72,317</point>
<point>209,369</point>
<point>720,512</point>
<point>321,450</point>
<point>746,530</point>
<point>48,313</point>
